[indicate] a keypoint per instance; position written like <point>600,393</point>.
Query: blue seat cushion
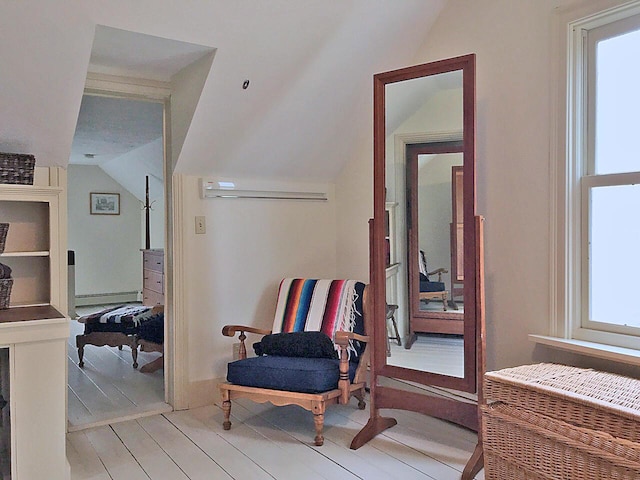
<point>431,286</point>
<point>293,374</point>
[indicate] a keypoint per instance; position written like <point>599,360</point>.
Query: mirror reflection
<point>424,172</point>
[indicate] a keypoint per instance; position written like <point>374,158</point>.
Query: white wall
<point>235,268</point>
<point>512,41</point>
<point>130,170</point>
<point>108,258</point>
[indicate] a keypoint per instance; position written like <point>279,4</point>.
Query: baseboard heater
<point>107,298</point>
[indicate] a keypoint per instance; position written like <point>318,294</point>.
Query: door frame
<point>175,333</point>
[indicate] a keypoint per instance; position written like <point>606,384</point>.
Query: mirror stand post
<point>376,424</point>
<point>468,415</point>
<point>476,462</point>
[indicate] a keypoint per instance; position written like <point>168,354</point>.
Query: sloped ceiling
<point>309,62</point>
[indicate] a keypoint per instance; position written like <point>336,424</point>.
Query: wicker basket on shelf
<point>5,292</point>
<point>4,228</point>
<point>17,168</point>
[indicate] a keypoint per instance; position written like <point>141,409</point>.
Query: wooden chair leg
<point>359,394</point>
<point>226,409</point>
<point>318,419</point>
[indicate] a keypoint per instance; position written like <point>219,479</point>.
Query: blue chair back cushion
<point>293,374</point>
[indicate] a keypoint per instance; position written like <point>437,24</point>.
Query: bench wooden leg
<point>134,351</point>
<point>80,353</point>
<point>100,339</point>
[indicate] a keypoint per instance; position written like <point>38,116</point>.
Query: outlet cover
<point>201,225</point>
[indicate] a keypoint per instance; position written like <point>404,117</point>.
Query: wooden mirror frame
<point>462,413</point>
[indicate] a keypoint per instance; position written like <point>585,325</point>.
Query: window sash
<point>588,183</point>
<point>570,266</point>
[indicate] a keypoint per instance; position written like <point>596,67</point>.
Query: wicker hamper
<point>17,168</point>
<point>583,397</point>
<point>5,292</point>
<point>4,228</point>
<point>526,445</point>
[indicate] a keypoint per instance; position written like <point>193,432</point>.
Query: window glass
<point>617,104</point>
<point>614,255</point>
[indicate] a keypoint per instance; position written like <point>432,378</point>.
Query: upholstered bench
<point>114,326</point>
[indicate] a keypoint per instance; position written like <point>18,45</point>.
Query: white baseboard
<point>204,392</point>
<point>106,298</point>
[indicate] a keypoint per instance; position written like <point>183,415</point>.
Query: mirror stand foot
<point>411,338</point>
<point>475,463</point>
<point>374,426</point>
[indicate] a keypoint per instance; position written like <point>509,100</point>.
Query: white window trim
<point>567,142</point>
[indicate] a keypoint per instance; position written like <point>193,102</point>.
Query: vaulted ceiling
<point>309,63</point>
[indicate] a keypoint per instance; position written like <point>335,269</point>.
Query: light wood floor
<point>108,387</point>
<point>267,442</point>
<point>442,354</point>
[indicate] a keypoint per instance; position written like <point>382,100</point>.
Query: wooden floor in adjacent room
<point>108,387</point>
<point>267,442</point>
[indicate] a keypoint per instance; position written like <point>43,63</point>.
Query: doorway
<point>118,155</point>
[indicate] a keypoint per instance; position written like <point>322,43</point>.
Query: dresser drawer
<point>153,261</point>
<point>151,298</point>
<point>152,280</point>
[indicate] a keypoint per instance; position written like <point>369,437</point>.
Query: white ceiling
<point>121,52</point>
<point>306,113</point>
<point>110,127</point>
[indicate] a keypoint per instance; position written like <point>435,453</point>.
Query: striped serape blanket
<point>316,305</point>
<point>119,314</point>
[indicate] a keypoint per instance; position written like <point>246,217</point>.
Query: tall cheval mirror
<point>426,244</point>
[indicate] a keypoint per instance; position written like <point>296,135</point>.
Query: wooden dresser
<point>153,277</point>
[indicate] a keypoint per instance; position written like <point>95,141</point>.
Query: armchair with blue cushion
<point>315,355</point>
<point>432,289</point>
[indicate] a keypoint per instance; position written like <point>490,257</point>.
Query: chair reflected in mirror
<point>431,290</point>
<point>393,334</point>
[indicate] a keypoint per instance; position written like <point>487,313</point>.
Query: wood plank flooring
<point>108,387</point>
<point>442,354</point>
<point>267,442</point>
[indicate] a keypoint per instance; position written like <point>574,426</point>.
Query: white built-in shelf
<point>34,327</point>
<point>27,313</point>
<point>392,269</point>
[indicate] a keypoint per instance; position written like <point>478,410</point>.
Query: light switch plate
<point>201,225</point>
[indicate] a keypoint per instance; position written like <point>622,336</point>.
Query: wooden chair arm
<point>231,330</point>
<point>342,338</point>
<point>439,271</point>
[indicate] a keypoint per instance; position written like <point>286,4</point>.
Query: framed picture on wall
<point>104,203</point>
